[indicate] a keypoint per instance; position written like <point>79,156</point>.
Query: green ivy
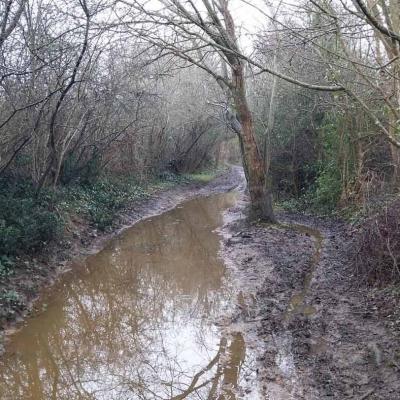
<point>27,222</point>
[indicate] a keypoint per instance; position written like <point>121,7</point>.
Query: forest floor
<point>42,270</point>
<point>318,334</point>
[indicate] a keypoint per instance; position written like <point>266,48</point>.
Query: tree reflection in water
<point>134,323</point>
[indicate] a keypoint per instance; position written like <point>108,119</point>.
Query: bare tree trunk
<point>260,194</point>
<point>253,163</point>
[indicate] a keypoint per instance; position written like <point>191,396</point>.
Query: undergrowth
<point>27,221</point>
<point>30,221</point>
<point>377,245</point>
<point>321,198</point>
<point>375,231</point>
<point>100,201</point>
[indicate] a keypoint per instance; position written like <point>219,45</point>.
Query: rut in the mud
<point>318,334</point>
<point>297,302</point>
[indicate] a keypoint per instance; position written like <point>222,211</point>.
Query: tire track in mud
<point>297,302</point>
<point>286,384</point>
<point>297,306</point>
<point>260,266</point>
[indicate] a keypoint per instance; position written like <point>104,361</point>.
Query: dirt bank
<point>318,334</point>
<point>42,271</point>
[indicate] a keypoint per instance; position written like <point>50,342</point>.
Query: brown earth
<point>319,334</point>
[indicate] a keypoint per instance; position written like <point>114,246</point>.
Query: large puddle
<point>137,320</point>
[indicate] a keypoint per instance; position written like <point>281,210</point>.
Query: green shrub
<point>297,204</point>
<point>10,303</point>
<point>328,185</point>
<point>101,201</point>
<point>27,222</point>
<point>6,266</point>
<point>10,297</point>
<point>169,176</point>
<point>328,188</point>
<point>82,173</point>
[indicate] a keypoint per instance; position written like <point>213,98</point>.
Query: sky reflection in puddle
<point>135,321</point>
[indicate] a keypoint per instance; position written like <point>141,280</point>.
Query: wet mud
<point>319,335</point>
<point>199,303</point>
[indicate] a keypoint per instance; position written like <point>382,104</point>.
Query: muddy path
<point>193,301</point>
<point>318,335</point>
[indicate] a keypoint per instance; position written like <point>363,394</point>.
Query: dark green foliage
<point>322,196</point>
<point>10,303</point>
<point>27,222</point>
<point>337,154</point>
<point>294,143</point>
<point>328,188</point>
<point>169,176</point>
<point>6,266</point>
<point>74,170</point>
<point>320,177</point>
<point>102,200</point>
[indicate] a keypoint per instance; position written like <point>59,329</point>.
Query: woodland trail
<point>164,311</point>
<point>319,335</point>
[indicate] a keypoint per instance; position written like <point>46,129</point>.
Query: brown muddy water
<point>137,320</point>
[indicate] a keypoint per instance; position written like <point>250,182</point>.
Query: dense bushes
<point>27,221</point>
<point>327,189</point>
<point>324,166</point>
<point>377,245</point>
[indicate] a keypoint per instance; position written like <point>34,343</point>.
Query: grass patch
<point>203,177</point>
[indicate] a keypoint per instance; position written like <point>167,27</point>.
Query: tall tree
<point>197,32</point>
